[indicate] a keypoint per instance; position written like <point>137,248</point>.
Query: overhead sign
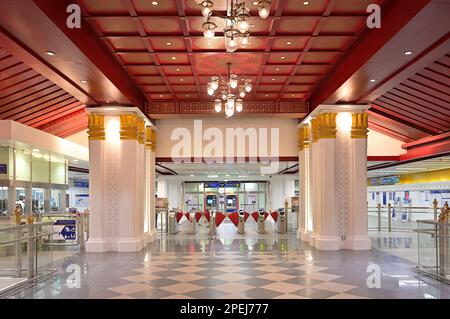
<point>222,184</point>
<point>390,180</point>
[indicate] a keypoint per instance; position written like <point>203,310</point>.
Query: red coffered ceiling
<point>132,52</point>
<point>163,49</point>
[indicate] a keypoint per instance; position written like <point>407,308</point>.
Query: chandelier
<point>229,92</point>
<point>236,31</point>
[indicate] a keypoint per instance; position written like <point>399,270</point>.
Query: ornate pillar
<point>305,225</point>
<point>338,156</point>
<point>358,238</point>
<point>117,179</point>
<point>150,150</point>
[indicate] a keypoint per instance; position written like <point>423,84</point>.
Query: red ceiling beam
<point>428,146</point>
<point>395,15</point>
<point>94,49</point>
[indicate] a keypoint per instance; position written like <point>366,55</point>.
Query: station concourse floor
<point>240,267</point>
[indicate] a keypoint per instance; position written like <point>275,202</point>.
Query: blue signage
<point>81,184</point>
<point>3,168</point>
<point>391,180</point>
<point>69,231</point>
<point>221,184</point>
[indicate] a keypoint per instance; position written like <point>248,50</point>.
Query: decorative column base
<point>358,243</point>
<point>96,245</point>
<point>149,238</point>
<point>130,244</point>
<point>304,235</point>
<point>327,243</point>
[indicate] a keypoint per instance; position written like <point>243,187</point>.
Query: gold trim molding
<point>96,127</point>
<point>326,125</point>
<point>129,127</point>
<point>150,138</point>
<point>303,137</point>
<point>359,125</point>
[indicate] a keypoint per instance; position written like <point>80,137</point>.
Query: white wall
<point>287,141</point>
<point>379,144</point>
<point>80,138</point>
<point>282,187</point>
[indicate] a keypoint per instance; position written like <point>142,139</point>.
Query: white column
<point>305,213</point>
<point>358,238</point>
<point>117,179</point>
<point>150,226</point>
<point>338,160</point>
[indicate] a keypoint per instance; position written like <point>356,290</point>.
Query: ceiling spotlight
<point>83,81</point>
<point>173,58</point>
<point>373,80</point>
<point>177,69</point>
<point>160,95</point>
<point>50,53</point>
<point>273,79</point>
<point>264,8</point>
<point>289,43</point>
<point>283,57</point>
<point>181,80</point>
<point>277,69</point>
<point>305,3</point>
<point>407,53</point>
<point>155,3</point>
<point>168,43</point>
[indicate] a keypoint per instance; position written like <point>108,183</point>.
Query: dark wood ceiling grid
<point>29,98</point>
<point>422,101</point>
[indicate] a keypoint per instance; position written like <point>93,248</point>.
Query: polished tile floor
<point>182,266</point>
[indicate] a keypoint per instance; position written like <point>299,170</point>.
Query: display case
<point>433,249</point>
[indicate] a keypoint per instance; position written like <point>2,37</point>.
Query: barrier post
<point>18,242</point>
<point>379,216</point>
<point>81,231</point>
<point>435,206</point>
<point>389,217</point>
<point>31,246</point>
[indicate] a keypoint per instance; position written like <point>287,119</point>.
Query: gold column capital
<point>141,131</point>
<point>303,137</point>
<point>96,126</point>
<point>150,138</point>
<point>129,126</point>
<point>326,125</point>
<point>315,129</point>
<point>359,125</point>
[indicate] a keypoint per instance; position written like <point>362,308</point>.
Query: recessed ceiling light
<point>292,95</point>
<point>50,53</point>
<point>267,95</point>
<point>83,81</point>
<point>187,95</point>
<point>289,43</point>
<point>155,3</point>
<point>174,58</point>
<point>181,80</point>
<point>177,69</point>
<point>283,57</point>
<point>407,53</point>
<point>160,95</point>
<point>273,79</point>
<point>255,3</point>
<point>373,80</point>
<point>277,69</point>
<point>168,43</point>
<point>305,3</point>
<point>192,175</point>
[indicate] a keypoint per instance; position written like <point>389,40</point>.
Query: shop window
<point>38,200</point>
<point>55,200</point>
<point>3,201</point>
<point>23,166</point>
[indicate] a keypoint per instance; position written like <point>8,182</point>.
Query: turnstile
<point>281,223</point>
<point>261,222</point>
<point>193,225</point>
<point>212,223</point>
<point>241,222</point>
<point>173,225</point>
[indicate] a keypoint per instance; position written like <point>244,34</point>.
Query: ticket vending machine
<point>231,203</point>
<point>210,202</point>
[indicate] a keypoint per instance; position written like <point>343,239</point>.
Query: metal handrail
<point>3,243</point>
<point>17,227</point>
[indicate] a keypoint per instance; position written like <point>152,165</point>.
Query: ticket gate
<point>173,225</point>
<point>241,222</point>
<point>281,222</point>
<point>261,222</point>
<point>211,218</point>
<point>193,218</point>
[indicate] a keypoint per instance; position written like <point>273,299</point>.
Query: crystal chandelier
<point>236,31</point>
<point>229,92</point>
